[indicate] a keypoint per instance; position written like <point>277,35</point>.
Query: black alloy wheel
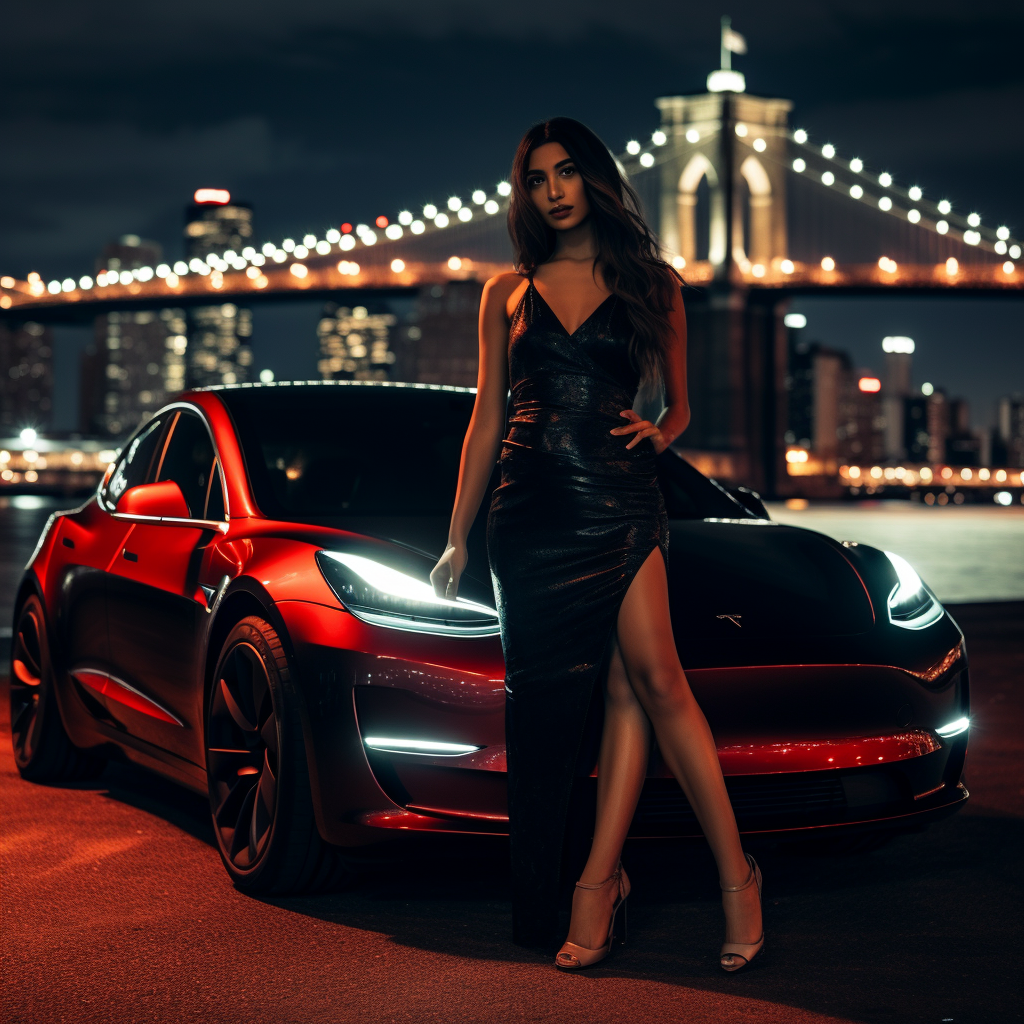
<point>243,754</point>
<point>42,750</point>
<point>258,779</point>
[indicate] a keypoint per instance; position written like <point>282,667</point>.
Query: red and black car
<point>244,607</point>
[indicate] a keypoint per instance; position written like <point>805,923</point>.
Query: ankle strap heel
<point>737,955</point>
<point>572,957</point>
<point>601,885</point>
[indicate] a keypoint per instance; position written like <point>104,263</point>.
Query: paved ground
<point>963,552</point>
<point>115,908</point>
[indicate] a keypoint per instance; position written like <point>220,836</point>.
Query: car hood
<point>755,578</point>
<point>742,578</point>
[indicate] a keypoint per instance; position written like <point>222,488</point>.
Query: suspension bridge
<point>736,196</point>
<point>750,210</point>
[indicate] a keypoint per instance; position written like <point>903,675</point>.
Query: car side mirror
<point>750,500</point>
<point>162,500</point>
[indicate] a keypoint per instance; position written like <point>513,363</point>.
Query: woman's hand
<point>641,429</point>
<point>444,577</point>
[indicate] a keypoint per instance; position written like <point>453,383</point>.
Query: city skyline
<point>992,370</point>
<point>202,218</point>
<point>308,154</point>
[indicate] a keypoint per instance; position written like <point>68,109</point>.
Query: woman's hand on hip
<point>640,429</point>
<point>444,577</point>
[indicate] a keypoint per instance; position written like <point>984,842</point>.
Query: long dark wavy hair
<point>626,250</point>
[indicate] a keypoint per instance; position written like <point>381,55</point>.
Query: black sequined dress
<point>575,516</point>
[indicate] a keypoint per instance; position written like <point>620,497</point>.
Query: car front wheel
<point>42,750</point>
<point>258,777</point>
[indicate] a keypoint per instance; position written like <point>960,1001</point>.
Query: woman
<point>577,538</point>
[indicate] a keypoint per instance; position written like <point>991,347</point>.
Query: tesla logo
<point>734,619</point>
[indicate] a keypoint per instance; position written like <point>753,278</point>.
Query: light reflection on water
<point>26,502</point>
<point>965,553</point>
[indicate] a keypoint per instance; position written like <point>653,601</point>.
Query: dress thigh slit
<point>559,582</point>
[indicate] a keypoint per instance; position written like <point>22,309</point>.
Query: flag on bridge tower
<point>733,41</point>
<point>725,79</point>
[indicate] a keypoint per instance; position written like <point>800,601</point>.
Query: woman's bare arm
<point>675,417</point>
<point>484,436</point>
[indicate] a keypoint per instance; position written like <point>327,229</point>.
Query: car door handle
<point>130,555</point>
<point>67,542</point>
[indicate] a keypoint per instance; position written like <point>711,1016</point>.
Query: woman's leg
<point>652,665</point>
<point>621,769</point>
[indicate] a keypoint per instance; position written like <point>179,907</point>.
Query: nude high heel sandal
<point>737,955</point>
<point>572,957</point>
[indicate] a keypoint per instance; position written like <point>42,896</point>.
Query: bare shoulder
<point>503,291</point>
<point>675,288</point>
<point>501,286</point>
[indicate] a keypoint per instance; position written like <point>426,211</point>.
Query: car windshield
<point>332,450</point>
<point>349,450</point>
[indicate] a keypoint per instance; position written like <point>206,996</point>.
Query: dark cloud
<point>319,111</point>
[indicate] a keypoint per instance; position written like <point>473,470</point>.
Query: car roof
<point>336,383</point>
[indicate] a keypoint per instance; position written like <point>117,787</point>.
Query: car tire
<point>43,752</point>
<point>260,797</point>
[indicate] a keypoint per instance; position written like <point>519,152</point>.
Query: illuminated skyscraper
<point>915,441</point>
<point>355,344</point>
<point>939,425</point>
<point>135,365</point>
<point>218,346</point>
<point>129,252</point>
<point>137,359</point>
<point>964,445</point>
<point>26,383</point>
<point>214,224</point>
<point>861,421</point>
<point>1008,437</point>
<point>830,413</point>
<point>904,420</point>
<point>440,344</point>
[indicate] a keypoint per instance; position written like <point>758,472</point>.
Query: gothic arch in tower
<point>757,247</point>
<point>698,167</point>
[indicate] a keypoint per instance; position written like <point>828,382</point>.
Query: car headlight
<point>911,604</point>
<point>376,593</point>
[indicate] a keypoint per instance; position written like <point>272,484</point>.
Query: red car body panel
<point>137,609</point>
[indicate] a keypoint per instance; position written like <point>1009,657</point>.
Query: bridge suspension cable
<point>830,197</point>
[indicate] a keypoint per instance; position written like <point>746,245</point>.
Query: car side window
<point>134,464</point>
<point>189,461</point>
<point>215,497</point>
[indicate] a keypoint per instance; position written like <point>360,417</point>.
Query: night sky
<point>319,112</point>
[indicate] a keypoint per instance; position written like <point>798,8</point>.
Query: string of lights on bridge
<point>289,251</point>
<point>849,177</point>
<point>862,186</point>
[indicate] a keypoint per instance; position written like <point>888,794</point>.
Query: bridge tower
<point>732,149</point>
<point>739,144</point>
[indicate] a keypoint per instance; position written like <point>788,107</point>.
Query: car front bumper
<point>840,767</point>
